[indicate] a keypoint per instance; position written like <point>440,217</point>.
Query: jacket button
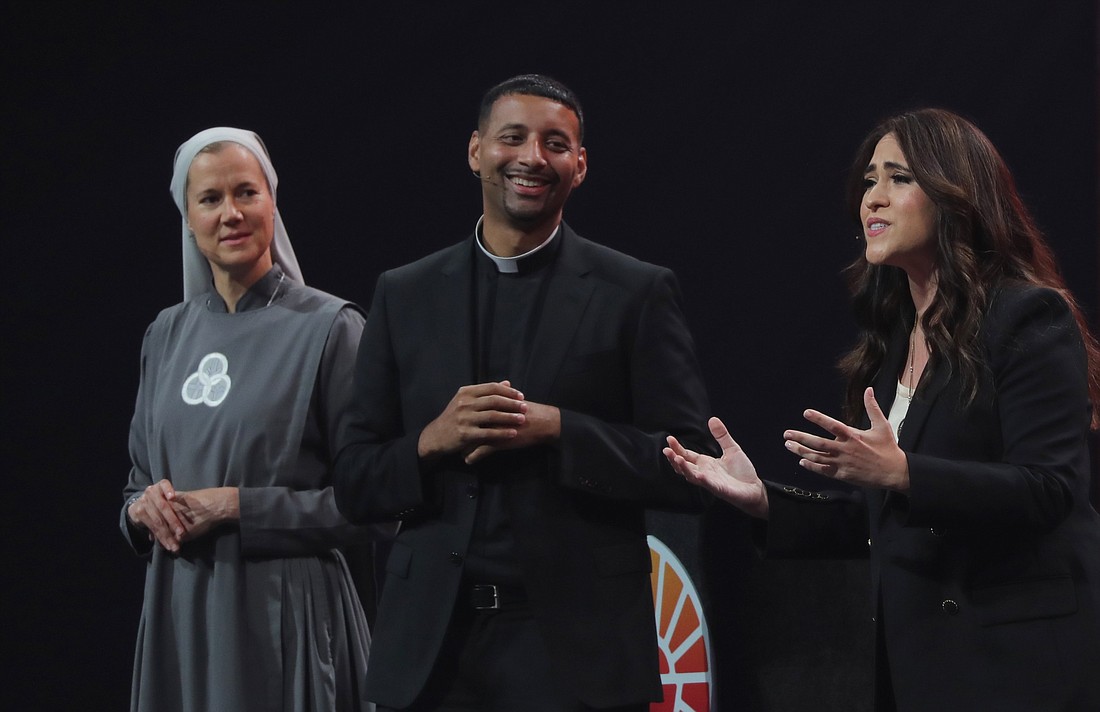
<point>456,558</point>
<point>471,491</point>
<point>868,543</point>
<point>950,607</point>
<point>937,531</point>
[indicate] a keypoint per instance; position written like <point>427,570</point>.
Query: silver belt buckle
<point>496,597</point>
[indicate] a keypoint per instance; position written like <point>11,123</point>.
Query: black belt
<point>488,596</point>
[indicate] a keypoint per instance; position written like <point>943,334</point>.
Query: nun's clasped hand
<point>870,458</point>
<point>154,512</point>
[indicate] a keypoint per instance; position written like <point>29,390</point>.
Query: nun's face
<point>231,212</point>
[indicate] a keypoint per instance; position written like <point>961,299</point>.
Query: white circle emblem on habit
<point>210,384</point>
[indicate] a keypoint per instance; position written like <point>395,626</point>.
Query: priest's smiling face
<point>529,158</point>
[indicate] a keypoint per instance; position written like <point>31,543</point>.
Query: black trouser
<point>497,661</point>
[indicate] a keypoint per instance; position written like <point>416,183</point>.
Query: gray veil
<point>196,270</point>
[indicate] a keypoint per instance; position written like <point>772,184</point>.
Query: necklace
<point>269,299</point>
<point>283,275</point>
<point>911,389</point>
<point>912,355</point>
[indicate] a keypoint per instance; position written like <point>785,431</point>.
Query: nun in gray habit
<point>241,409</point>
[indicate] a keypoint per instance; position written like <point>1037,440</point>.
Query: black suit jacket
<point>613,353</point>
<point>986,575</point>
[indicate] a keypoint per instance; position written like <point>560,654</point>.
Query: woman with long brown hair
<point>969,404</point>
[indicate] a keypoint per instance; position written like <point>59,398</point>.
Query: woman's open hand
<point>870,458</point>
<point>732,477</point>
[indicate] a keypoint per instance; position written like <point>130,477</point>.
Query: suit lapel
<point>567,297</point>
<point>452,317</point>
<point>928,391</point>
<point>886,385</point>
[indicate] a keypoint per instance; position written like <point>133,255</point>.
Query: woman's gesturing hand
<point>732,477</point>
<point>870,458</point>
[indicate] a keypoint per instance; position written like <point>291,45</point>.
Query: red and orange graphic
<point>681,635</point>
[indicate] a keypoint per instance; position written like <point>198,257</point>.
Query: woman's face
<point>231,212</point>
<point>898,217</point>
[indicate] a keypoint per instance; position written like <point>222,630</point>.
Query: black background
<point>718,139</point>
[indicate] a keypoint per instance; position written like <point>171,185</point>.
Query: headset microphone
<point>483,179</point>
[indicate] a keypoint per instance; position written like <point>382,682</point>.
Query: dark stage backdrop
<point>718,141</point>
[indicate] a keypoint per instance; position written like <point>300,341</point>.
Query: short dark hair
<point>533,85</point>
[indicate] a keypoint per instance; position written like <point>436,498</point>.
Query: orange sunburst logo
<point>681,635</point>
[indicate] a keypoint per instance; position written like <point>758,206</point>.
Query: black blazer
<point>986,575</point>
<point>613,352</point>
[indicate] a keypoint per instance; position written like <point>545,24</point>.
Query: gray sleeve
<point>140,476</point>
<point>281,521</point>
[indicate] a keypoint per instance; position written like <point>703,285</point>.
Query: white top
<point>899,409</point>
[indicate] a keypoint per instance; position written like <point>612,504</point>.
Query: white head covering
<point>196,270</point>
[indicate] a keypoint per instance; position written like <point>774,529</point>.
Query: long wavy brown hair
<point>985,236</point>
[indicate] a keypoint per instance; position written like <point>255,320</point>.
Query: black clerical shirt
<point>509,307</point>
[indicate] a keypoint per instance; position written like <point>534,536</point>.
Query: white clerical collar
<point>510,265</point>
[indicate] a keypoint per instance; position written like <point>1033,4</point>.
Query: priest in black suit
<point>514,393</point>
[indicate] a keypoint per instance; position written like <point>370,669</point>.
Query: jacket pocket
<point>399,559</point>
<point>623,559</point>
<point>1048,597</point>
